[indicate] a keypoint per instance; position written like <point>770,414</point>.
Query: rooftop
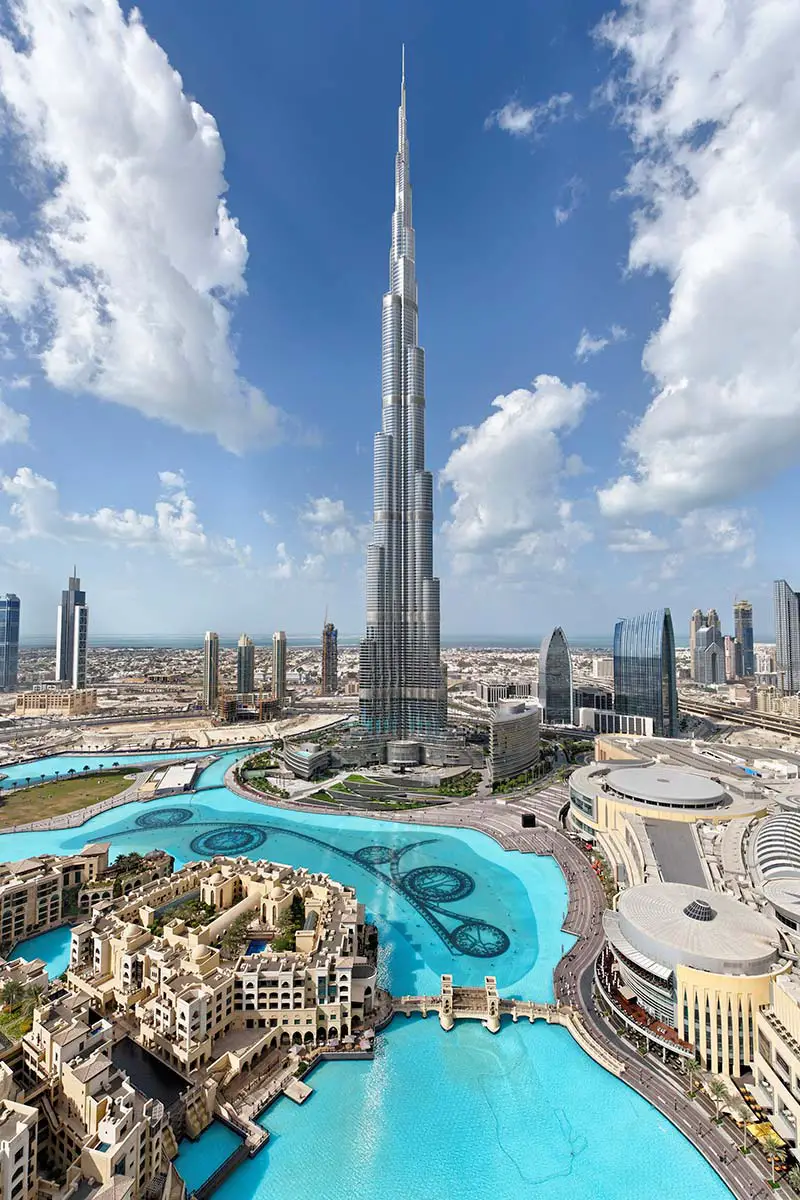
<point>666,785</point>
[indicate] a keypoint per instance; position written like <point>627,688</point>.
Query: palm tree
<point>116,764</point>
<point>12,993</point>
<point>691,1069</point>
<point>718,1093</point>
<point>28,780</point>
<point>773,1148</point>
<point>30,1000</point>
<point>86,768</point>
<point>744,1112</point>
<point>71,771</point>
<point>793,1176</point>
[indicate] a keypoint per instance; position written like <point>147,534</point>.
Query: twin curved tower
<point>402,688</point>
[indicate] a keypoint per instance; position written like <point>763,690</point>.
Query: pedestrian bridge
<point>483,1004</point>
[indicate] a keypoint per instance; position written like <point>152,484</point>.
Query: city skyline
<point>550,457</point>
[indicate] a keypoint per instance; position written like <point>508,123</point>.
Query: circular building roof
<point>784,896</point>
<point>777,845</point>
<point>666,786</point>
<point>676,924</point>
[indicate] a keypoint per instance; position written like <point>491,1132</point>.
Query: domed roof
<point>133,930</point>
<point>217,877</point>
<point>278,891</point>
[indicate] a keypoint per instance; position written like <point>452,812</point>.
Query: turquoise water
<point>62,763</point>
<point>522,1114</point>
<point>52,947</point>
<point>197,1161</point>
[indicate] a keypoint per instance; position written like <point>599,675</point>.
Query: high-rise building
<point>9,641</point>
<point>696,621</point>
<point>644,670</point>
<point>401,684</point>
<point>245,666</point>
<point>330,659</point>
<point>731,649</point>
<point>787,636</point>
<point>72,634</point>
<point>743,632</point>
<point>709,655</point>
<point>555,679</point>
<point>210,669</point>
<point>279,665</point>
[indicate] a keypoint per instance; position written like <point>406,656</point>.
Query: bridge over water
<point>485,1005</point>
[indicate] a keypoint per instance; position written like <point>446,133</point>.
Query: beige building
<point>513,740</point>
<point>776,1069</point>
<point>32,891</point>
<point>73,702</point>
<point>18,1176</point>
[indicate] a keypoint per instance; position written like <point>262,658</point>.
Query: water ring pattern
<point>442,885</point>
<point>231,839</point>
<point>164,818</point>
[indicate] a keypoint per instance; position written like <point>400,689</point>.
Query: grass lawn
<point>59,796</point>
<point>13,1024</point>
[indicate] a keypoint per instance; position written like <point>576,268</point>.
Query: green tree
<point>719,1094</point>
<point>30,1000</point>
<point>743,1112</point>
<point>13,993</point>
<point>774,1150</point>
<point>793,1176</point>
<point>691,1069</point>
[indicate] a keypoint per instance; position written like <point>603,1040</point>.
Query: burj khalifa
<point>402,687</point>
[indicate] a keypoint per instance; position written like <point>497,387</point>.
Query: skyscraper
<point>787,636</point>
<point>696,621</point>
<point>644,670</point>
<point>279,665</point>
<point>330,659</point>
<point>709,655</point>
<point>743,632</point>
<point>401,683</point>
<point>72,634</point>
<point>9,641</point>
<point>245,666</point>
<point>555,679</point>
<point>210,670</point>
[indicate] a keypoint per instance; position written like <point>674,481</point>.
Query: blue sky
<point>191,268</point>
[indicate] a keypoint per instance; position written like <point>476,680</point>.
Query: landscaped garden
<point>16,1013</point>
<point>35,799</point>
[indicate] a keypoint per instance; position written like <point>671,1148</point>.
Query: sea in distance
<point>465,641</point>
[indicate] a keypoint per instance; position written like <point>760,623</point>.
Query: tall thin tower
<point>402,689</point>
<point>210,669</point>
<point>72,634</point>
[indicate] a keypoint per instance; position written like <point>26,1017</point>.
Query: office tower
<point>9,642</point>
<point>279,665</point>
<point>402,687</point>
<point>330,659</point>
<point>709,656</point>
<point>731,650</point>
<point>644,670</point>
<point>210,670</point>
<point>72,634</point>
<point>787,636</point>
<point>696,621</point>
<point>555,679</point>
<point>245,666</point>
<point>743,632</point>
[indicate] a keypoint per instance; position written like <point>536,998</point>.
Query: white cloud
<point>14,426</point>
<point>324,511</point>
<point>636,541</point>
<point>520,121</point>
<point>267,517</point>
<point>310,568</point>
<point>506,476</point>
<point>124,288</point>
<point>571,196</point>
<point>332,528</point>
<point>709,95</point>
<point>173,527</point>
<point>588,345</point>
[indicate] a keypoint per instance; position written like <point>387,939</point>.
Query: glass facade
<point>555,679</point>
<point>787,636</point>
<point>644,670</point>
<point>743,632</point>
<point>9,642</point>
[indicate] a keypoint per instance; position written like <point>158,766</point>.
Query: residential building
<point>513,740</point>
<point>555,678</point>
<point>644,670</point>
<point>18,1148</point>
<point>492,693</point>
<point>72,635</point>
<point>602,667</point>
<point>36,893</point>
<point>743,631</point>
<point>279,666</point>
<point>245,666</point>
<point>9,642</point>
<point>70,703</point>
<point>403,691</point>
<point>732,652</point>
<point>330,659</point>
<point>696,621</point>
<point>600,721</point>
<point>787,636</point>
<point>210,669</point>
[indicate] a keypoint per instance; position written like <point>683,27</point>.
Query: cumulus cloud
<point>124,287</point>
<point>636,541</point>
<point>331,527</point>
<point>588,345</point>
<point>516,119</point>
<point>709,95</point>
<point>310,568</point>
<point>173,527</point>
<point>14,426</point>
<point>506,475</point>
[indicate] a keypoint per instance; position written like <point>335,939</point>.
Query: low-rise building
<point>36,893</point>
<point>71,702</point>
<point>18,1174</point>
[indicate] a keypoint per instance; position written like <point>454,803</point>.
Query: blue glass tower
<point>644,670</point>
<point>9,642</point>
<point>555,678</point>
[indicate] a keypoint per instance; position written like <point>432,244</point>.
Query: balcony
<point>633,1015</point>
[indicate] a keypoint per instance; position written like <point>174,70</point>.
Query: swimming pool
<point>524,1113</point>
<point>52,947</point>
